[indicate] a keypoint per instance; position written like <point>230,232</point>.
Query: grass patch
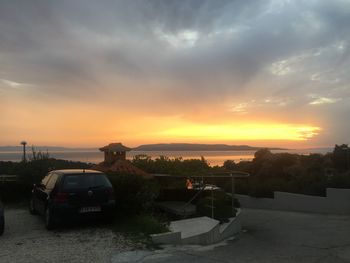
<point>140,224</point>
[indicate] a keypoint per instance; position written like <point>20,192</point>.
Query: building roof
<point>115,147</point>
<point>122,166</point>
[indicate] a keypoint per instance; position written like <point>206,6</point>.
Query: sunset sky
<point>263,73</point>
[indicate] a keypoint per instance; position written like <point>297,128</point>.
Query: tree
<point>341,157</point>
<point>230,165</point>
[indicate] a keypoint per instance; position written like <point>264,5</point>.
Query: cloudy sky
<point>85,73</point>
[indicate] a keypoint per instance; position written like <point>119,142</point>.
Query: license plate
<point>90,209</point>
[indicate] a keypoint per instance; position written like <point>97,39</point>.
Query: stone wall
<point>337,201</point>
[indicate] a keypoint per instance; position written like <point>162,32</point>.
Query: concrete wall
<point>336,202</point>
<point>231,228</point>
<point>209,235</point>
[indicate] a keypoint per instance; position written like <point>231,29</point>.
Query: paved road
<point>269,236</point>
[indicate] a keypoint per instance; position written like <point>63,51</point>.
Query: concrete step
<point>193,226</point>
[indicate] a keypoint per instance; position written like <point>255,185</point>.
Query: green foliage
<point>341,157</point>
<point>230,165</point>
<point>29,173</point>
<point>340,180</point>
<point>140,224</point>
<point>14,192</point>
<point>305,174</point>
<point>175,166</point>
<point>176,194</point>
<point>133,193</point>
<point>222,204</point>
<point>39,155</point>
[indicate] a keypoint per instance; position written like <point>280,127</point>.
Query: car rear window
<point>85,181</point>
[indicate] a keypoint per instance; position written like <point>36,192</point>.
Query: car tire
<point>2,225</point>
<point>108,219</point>
<point>32,207</point>
<point>49,219</point>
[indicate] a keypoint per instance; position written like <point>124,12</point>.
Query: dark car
<point>2,219</point>
<point>72,194</point>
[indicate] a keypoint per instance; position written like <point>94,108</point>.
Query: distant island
<point>44,149</point>
<point>147,147</point>
<point>198,147</point>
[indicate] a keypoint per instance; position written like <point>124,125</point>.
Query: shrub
<point>222,206</point>
<point>14,191</point>
<point>133,194</point>
<point>136,224</point>
<point>29,173</point>
<point>180,194</point>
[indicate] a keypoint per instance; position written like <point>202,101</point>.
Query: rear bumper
<point>67,211</point>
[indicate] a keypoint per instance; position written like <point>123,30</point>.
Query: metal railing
<point>8,178</point>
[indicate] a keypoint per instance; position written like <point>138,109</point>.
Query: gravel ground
<point>26,240</point>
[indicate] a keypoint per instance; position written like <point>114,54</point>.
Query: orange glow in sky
<point>242,132</point>
<point>79,124</point>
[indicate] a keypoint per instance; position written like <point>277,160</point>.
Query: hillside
<point>197,147</point>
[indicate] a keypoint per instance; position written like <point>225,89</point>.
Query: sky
<point>263,73</point>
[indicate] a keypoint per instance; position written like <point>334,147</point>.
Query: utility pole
<point>232,192</point>
<point>24,143</point>
<point>347,157</point>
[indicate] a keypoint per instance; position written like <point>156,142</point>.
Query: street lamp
<point>24,143</point>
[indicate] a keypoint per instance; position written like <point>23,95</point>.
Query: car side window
<point>45,179</point>
<point>51,184</point>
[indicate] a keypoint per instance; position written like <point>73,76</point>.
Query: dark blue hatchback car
<point>72,194</point>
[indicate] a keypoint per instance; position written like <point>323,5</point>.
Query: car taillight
<point>61,197</point>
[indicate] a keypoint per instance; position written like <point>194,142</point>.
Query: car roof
<point>76,171</point>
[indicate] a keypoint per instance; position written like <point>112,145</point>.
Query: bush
<point>133,194</point>
<point>223,209</point>
<point>180,194</point>
<point>11,192</point>
<point>29,173</point>
<point>136,224</point>
<point>174,166</point>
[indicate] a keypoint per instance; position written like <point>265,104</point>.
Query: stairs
<point>199,231</point>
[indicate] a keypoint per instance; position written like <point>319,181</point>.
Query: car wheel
<point>109,218</point>
<point>2,225</point>
<point>49,219</point>
<point>32,207</point>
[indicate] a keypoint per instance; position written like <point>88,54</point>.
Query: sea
<point>212,157</point>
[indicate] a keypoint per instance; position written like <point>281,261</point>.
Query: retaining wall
<point>337,201</point>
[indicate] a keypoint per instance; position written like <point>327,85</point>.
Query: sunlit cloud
<point>182,39</point>
<point>240,108</point>
<point>258,104</point>
<point>13,84</point>
<point>324,100</point>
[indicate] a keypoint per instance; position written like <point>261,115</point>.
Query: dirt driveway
<point>26,240</point>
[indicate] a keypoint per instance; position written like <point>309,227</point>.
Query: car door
<point>50,186</point>
<point>44,192</point>
<point>39,193</point>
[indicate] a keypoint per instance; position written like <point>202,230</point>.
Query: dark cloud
<point>181,52</point>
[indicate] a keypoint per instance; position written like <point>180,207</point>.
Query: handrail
<point>8,178</point>
<point>194,197</point>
